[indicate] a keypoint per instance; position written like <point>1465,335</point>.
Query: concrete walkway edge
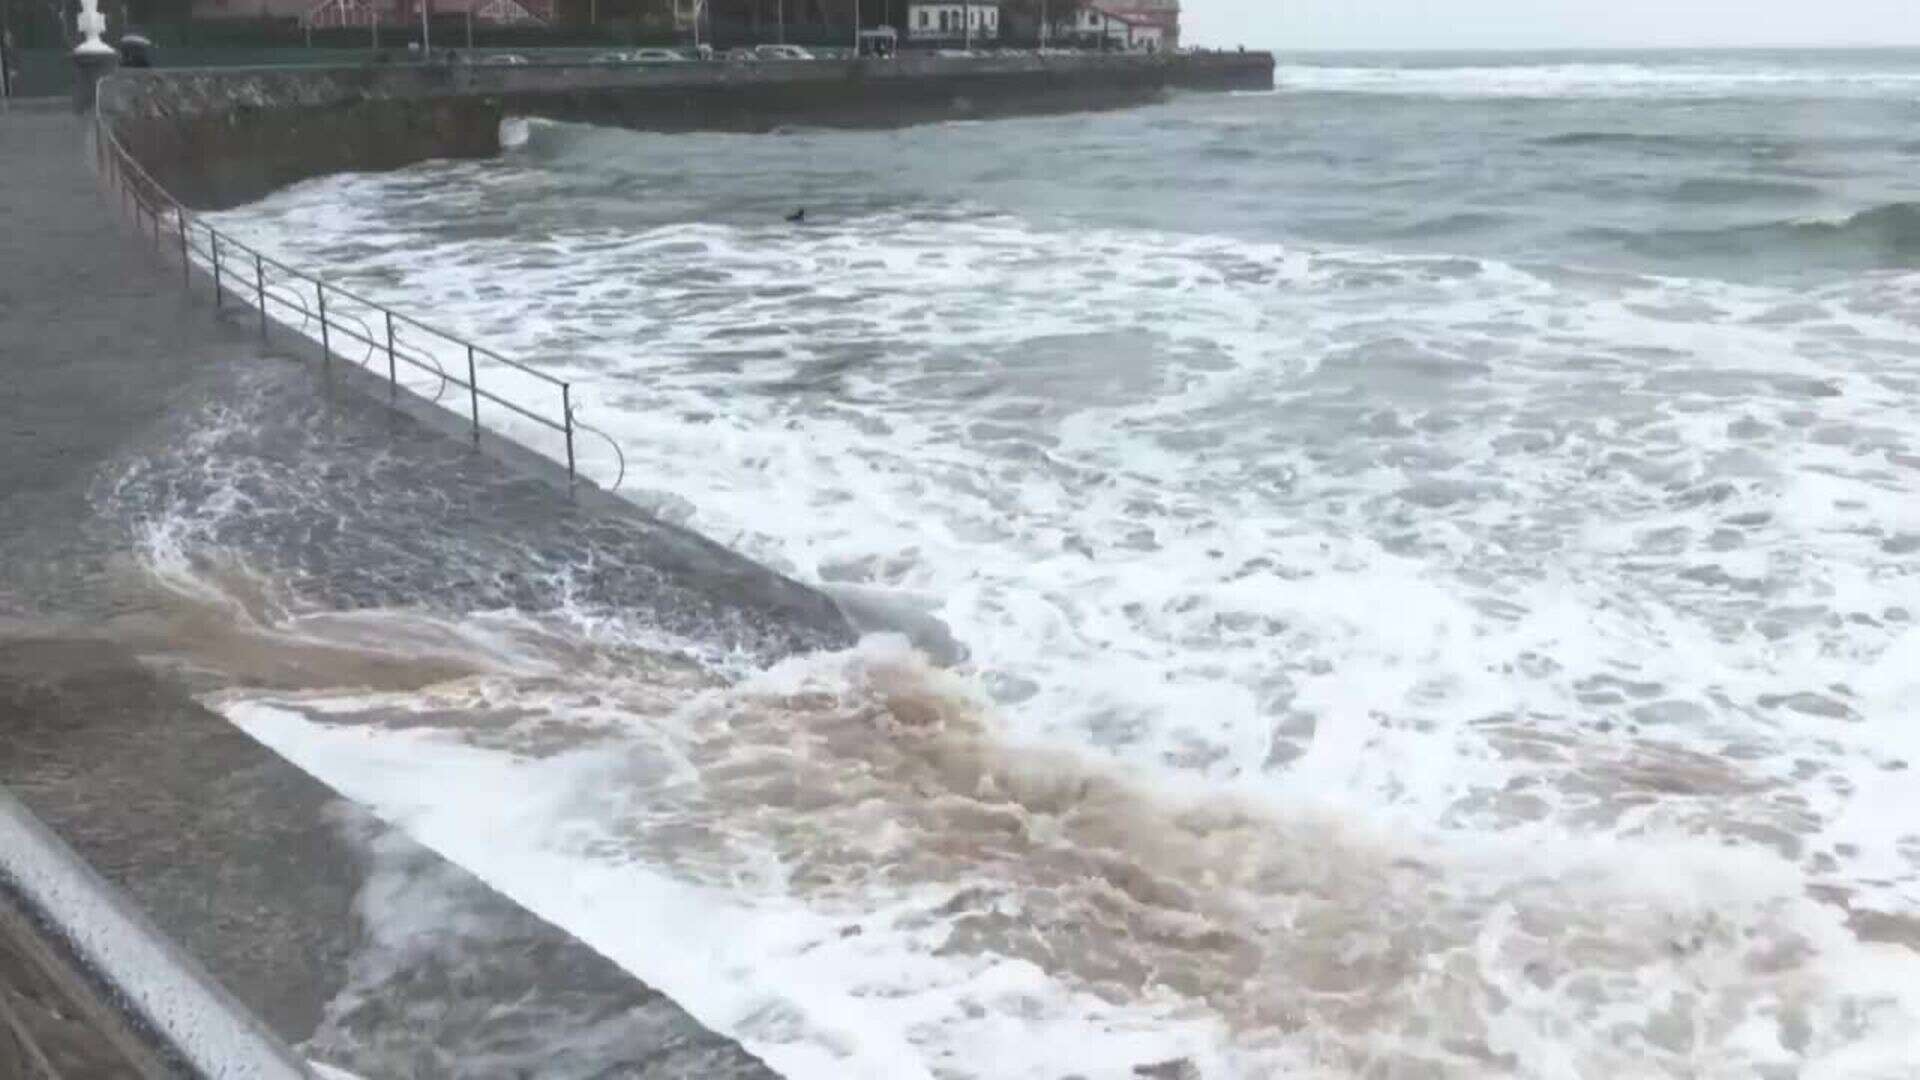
<point>169,993</point>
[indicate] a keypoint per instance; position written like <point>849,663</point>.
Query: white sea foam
<point>839,864</point>
<point>1596,80</point>
<point>1589,594</point>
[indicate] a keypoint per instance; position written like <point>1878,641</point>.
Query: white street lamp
<point>92,24</point>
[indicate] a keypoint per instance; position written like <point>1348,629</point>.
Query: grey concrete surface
<point>254,868</point>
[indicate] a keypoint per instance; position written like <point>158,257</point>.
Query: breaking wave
<point>1362,662</point>
<point>1882,237</point>
<point>1597,80</point>
<point>956,904</point>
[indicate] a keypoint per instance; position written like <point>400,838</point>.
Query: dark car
<point>136,51</point>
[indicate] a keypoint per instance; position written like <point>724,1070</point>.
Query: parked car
<point>656,56</point>
<point>612,58</point>
<point>503,60</point>
<point>782,52</point>
<point>740,56</point>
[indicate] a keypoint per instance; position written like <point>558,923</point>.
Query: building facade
<point>322,14</point>
<point>1149,16</point>
<point>1107,26</point>
<point>956,22</point>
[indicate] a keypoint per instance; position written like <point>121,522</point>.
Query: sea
<point>1415,574</point>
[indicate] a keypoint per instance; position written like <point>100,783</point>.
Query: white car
<point>503,60</point>
<point>781,52</point>
<point>656,56</point>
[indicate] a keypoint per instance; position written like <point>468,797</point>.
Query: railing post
<point>326,343</point>
<point>566,408</point>
<point>186,257</point>
<point>473,392</point>
<point>260,291</point>
<point>213,247</point>
<point>393,378</point>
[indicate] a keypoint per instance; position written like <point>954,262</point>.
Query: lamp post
<point>92,24</point>
<point>94,58</point>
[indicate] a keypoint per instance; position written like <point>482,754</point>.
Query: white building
<point>957,21</point>
<point>1093,23</point>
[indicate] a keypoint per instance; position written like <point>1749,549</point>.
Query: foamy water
<point>1379,659</point>
<point>1699,76</point>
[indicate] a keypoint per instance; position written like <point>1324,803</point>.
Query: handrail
<point>573,413</point>
<point>242,269</point>
<point>150,976</point>
<point>437,368</point>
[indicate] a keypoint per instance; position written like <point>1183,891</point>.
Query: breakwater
<point>219,138</point>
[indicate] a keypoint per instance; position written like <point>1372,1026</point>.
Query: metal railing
<point>183,1008</point>
<point>279,292</point>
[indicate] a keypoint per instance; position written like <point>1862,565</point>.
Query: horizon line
<point>1774,47</point>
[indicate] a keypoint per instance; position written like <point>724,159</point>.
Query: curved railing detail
<point>276,290</point>
<point>420,358</point>
<point>573,415</point>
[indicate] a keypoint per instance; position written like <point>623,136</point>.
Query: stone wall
<point>217,138</point>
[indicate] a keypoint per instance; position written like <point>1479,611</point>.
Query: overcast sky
<point>1441,24</point>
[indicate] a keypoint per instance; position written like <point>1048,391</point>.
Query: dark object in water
<point>798,216</point>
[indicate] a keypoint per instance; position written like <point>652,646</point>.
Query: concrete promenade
<point>252,867</point>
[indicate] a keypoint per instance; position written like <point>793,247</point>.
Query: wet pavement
<point>123,403</point>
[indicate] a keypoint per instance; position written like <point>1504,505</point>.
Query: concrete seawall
<point>216,139</point>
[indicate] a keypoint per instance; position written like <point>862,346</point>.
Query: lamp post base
<point>90,67</point>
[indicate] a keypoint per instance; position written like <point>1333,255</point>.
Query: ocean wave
<point>1601,80</point>
<point>1638,537</point>
<point>1465,222</point>
<point>1882,237</point>
<point>1663,143</point>
<point>1719,191</point>
<point>843,863</point>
